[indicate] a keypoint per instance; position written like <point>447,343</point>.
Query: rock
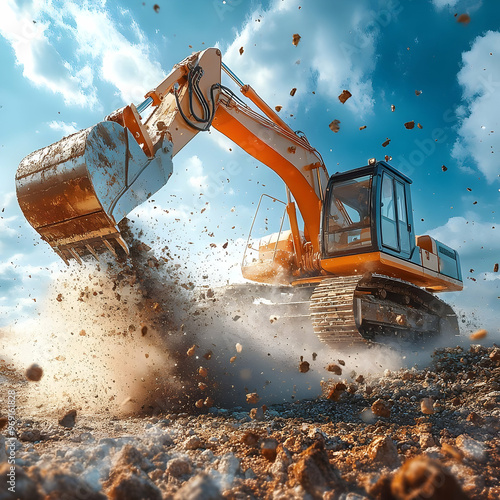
<point>25,487</point>
<point>381,408</point>
<point>336,391</point>
<point>382,449</point>
<point>250,439</point>
<point>200,487</point>
<point>472,449</point>
<point>426,441</point>
<point>333,368</point>
<point>229,467</point>
<point>130,456</point>
<point>179,466</point>
<point>69,419</point>
<point>258,413</point>
<point>495,354</point>
<point>268,448</point>
<point>252,398</point>
<point>475,418</point>
<point>279,469</point>
<point>193,443</point>
<point>452,452</point>
<point>59,485</point>
<point>130,484</point>
<point>34,373</point>
<point>422,477</point>
<point>304,366</point>
<point>30,435</point>
<point>426,406</point>
<point>314,472</point>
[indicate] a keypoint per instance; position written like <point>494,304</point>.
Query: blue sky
<point>65,65</point>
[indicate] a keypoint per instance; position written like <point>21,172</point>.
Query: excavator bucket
<point>75,191</point>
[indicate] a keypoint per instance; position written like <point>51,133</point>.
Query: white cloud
<point>469,235</point>
<point>479,131</point>
<point>65,128</point>
<point>441,4</point>
<point>127,65</point>
<point>336,51</point>
<point>42,63</point>
<point>464,5</point>
<point>39,33</point>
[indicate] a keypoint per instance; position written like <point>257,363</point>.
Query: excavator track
<point>353,311</point>
<point>332,312</point>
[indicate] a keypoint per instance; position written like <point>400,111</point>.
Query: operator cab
<point>368,226</point>
<point>368,209</point>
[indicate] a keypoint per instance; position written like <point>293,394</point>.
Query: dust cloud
<point>135,336</point>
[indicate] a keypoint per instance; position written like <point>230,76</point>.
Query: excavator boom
<point>75,191</point>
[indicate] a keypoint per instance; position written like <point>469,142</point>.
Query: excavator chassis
<point>350,312</point>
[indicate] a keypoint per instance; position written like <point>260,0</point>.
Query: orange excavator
<point>354,247</point>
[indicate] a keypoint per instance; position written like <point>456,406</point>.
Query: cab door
<point>394,227</point>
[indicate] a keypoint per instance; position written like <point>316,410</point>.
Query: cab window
<point>348,217</point>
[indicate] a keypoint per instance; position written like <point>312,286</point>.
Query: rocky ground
<point>428,433</point>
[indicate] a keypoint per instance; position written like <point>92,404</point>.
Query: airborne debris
<point>362,127</point>
<point>34,373</point>
<point>190,351</point>
<point>381,408</point>
<point>304,366</point>
<point>463,18</point>
<point>292,92</point>
<point>296,39</point>
<point>478,334</point>
<point>393,108</point>
<point>156,7</point>
<point>335,126</point>
<point>426,406</point>
<point>495,268</point>
<point>278,108</point>
<point>418,92</point>
<point>252,398</point>
<point>336,391</point>
<point>69,419</point>
<point>410,125</point>
<point>241,50</point>
<point>334,369</point>
<point>344,96</point>
<point>444,168</point>
<point>386,142</point>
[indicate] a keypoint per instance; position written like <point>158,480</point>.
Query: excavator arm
<point>75,191</point>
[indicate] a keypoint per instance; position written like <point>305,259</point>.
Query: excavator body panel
<point>75,192</point>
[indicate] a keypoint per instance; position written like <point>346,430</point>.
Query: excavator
<point>351,239</point>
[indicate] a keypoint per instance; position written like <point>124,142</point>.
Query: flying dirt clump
<point>34,373</point>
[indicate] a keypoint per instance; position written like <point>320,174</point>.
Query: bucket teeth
<point>75,255</point>
<point>110,247</point>
<point>91,250</point>
<point>61,254</point>
<point>122,243</point>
